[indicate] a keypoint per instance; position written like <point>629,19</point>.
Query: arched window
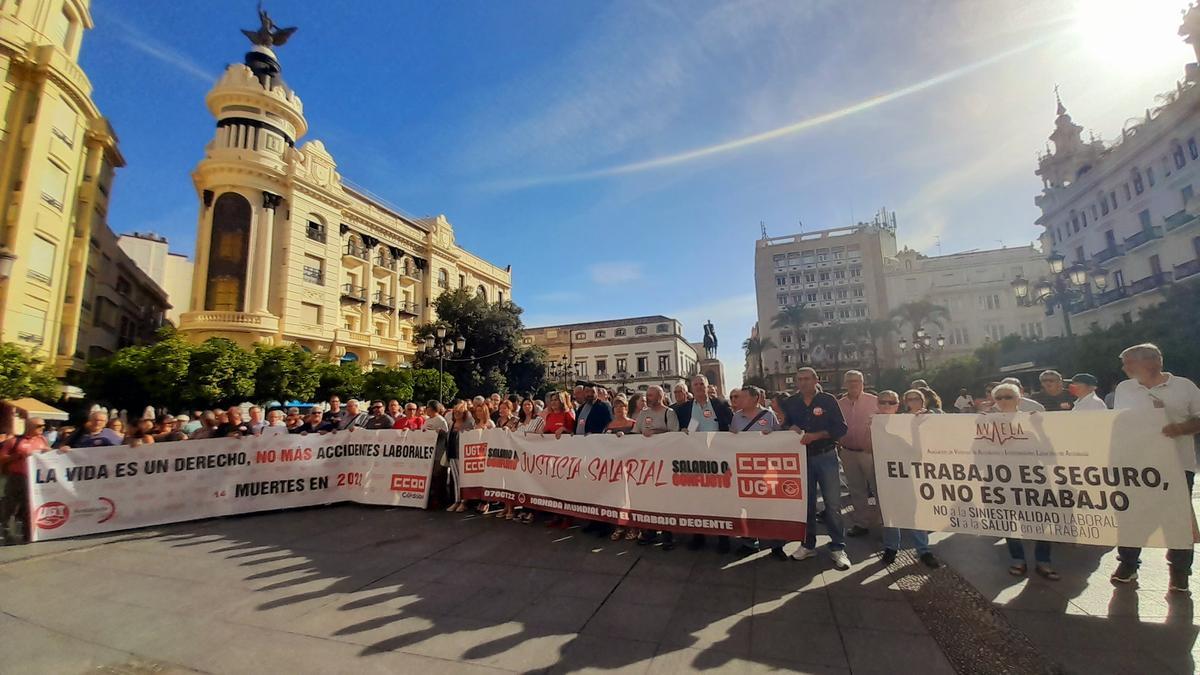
<point>443,278</point>
<point>481,291</point>
<point>228,250</point>
<point>350,357</point>
<point>1177,154</point>
<point>1138,186</point>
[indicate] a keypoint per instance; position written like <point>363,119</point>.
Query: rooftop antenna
<point>762,225</point>
<point>800,224</point>
<point>938,239</point>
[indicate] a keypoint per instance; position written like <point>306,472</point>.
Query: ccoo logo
<point>51,515</point>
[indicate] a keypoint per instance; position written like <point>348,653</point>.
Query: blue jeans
<point>1016,550</point>
<point>1178,558</point>
<point>892,535</point>
<point>824,471</point>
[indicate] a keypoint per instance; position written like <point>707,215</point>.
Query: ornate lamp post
<point>1066,284</point>
<point>623,377</point>
<point>922,344</point>
<point>563,371</point>
<point>442,346</point>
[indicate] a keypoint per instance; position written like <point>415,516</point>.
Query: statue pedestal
<point>715,372</point>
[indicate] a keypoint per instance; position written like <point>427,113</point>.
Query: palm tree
<point>871,332</point>
<point>916,314</point>
<point>794,318</point>
<point>755,346</point>
<point>837,339</point>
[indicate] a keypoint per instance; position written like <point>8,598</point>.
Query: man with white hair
<point>354,417</point>
<point>1149,387</point>
<point>858,462</point>
<point>1024,403</point>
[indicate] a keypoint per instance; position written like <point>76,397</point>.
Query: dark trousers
<point>1178,558</point>
<point>15,504</point>
<point>1041,550</point>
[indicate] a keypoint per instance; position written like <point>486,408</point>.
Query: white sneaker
<point>840,560</point>
<point>803,553</point>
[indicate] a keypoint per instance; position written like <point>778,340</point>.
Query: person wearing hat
<point>1083,388</point>
<point>172,429</point>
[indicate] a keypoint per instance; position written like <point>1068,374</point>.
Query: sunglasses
<point>889,403</point>
<point>1004,398</point>
<point>914,399</point>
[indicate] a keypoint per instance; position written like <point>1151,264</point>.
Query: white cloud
<point>614,272</point>
<point>133,37</point>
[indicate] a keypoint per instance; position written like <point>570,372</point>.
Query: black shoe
<point>778,554</point>
<point>889,556</point>
<point>856,531</point>
<point>646,540</point>
<point>668,544</point>
<point>1126,572</point>
<point>820,517</point>
<point>930,560</point>
<point>723,545</point>
<point>1179,581</point>
<point>696,543</point>
<point>746,550</point>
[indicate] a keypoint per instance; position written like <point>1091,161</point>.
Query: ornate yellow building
<point>289,252</point>
<point>57,155</point>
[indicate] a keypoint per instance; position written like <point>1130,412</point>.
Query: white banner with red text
<point>90,490</point>
<point>745,484</point>
<point>1097,477</point>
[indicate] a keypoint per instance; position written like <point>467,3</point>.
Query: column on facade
<point>260,274</point>
<point>203,243</point>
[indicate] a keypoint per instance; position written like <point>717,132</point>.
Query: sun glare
<point>1130,35</point>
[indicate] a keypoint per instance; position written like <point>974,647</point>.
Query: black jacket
<point>721,409</point>
<point>597,420</point>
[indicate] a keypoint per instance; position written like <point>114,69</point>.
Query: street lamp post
<point>623,377</point>
<point>922,344</point>
<point>1065,285</point>
<point>442,346</point>
<point>563,371</point>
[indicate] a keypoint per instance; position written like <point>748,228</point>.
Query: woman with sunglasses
<point>1007,398</point>
<point>914,402</point>
<point>889,404</point>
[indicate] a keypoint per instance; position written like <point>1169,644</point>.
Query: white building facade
<point>171,271</point>
<point>1127,208</point>
<point>976,289</point>
<point>628,353</point>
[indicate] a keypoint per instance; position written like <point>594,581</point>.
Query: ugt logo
<point>769,475</point>
<point>51,515</point>
<point>474,457</point>
<point>1000,432</point>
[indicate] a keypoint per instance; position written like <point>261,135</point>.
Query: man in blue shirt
<point>816,415</point>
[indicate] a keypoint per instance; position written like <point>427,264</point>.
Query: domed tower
<point>241,182</point>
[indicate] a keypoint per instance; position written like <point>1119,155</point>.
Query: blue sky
<point>620,155</point>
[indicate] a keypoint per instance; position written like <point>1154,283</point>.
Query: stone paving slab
<point>360,589</point>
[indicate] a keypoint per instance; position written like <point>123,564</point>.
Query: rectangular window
<point>1150,175</point>
<point>63,120</point>
<point>601,367</point>
<point>1186,194</point>
<point>310,314</point>
<point>842,294</point>
<point>621,365</point>
<point>810,278</point>
<point>824,276</point>
<point>786,338</point>
<point>664,361</point>
<point>780,280</point>
<point>620,332</point>
<point>59,28</point>
<point>827,295</point>
<point>662,328</point>
<point>315,231</point>
<point>1128,194</point>
<point>54,185</point>
<point>581,336</point>
<point>827,315</point>
<point>41,260</point>
<point>1112,198</point>
<point>581,368</point>
<point>1144,218</point>
<point>640,330</point>
<point>812,297</point>
<point>31,325</point>
<point>314,272</point>
<point>601,333</point>
<point>643,363</point>
<point>840,274</point>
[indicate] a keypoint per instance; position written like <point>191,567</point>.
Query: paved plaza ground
<point>358,589</point>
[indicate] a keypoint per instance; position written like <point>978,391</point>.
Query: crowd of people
<point>834,430</point>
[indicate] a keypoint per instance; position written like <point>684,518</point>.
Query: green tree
<point>344,379</point>
<point>220,373</point>
<point>838,340</point>
<point>285,373</point>
<point>425,386</point>
<point>754,348</point>
<point>385,384</point>
<point>795,318</point>
<point>874,332</point>
<point>117,380</point>
<point>917,315</point>
<point>163,372</point>
<point>494,359</point>
<point>22,374</point>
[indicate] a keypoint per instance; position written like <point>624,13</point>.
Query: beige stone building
<point>57,155</point>
<point>171,271</point>
<point>839,273</point>
<point>289,252</point>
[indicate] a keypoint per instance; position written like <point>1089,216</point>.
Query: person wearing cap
<point>293,419</point>
<point>172,429</point>
<point>1083,388</point>
<point>1053,396</point>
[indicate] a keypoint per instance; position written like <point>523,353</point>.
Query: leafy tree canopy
<point>24,375</point>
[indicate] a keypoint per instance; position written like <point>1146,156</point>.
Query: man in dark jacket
<point>593,415</point>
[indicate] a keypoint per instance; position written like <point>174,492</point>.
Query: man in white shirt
<point>1083,388</point>
<point>964,403</point>
<point>1024,404</point>
<point>1149,387</point>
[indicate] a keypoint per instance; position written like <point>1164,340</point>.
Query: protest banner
<point>89,490</point>
<point>746,484</point>
<point>1097,477</point>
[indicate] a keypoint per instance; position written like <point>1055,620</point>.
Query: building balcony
<point>385,263</point>
<point>1179,220</point>
<point>382,300</point>
<point>316,234</point>
<point>232,321</point>
<point>409,308</point>
<point>354,293</point>
<point>410,275</point>
<point>352,251</point>
<point>1142,238</point>
<point>1187,269</point>
<point>1151,282</point>
<point>1114,251</point>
